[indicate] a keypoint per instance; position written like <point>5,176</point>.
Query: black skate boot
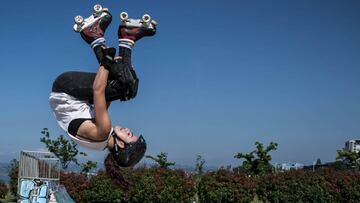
<point>92,29</point>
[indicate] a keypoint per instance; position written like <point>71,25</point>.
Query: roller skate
<point>131,30</point>
<point>92,29</point>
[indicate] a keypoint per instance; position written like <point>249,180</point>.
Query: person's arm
<point>99,130</point>
<point>102,119</point>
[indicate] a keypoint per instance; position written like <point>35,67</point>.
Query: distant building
<point>352,145</point>
<point>288,166</point>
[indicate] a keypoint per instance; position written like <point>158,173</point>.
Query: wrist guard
<point>108,59</point>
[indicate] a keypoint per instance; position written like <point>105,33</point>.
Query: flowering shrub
<point>324,185</point>
<point>226,186</point>
<point>165,185</point>
<point>143,185</point>
<point>75,185</point>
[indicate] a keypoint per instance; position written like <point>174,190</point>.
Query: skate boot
<point>131,30</point>
<point>92,29</point>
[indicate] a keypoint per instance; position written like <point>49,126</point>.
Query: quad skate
<point>98,13</point>
<point>134,29</point>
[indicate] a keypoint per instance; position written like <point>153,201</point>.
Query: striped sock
<point>97,42</point>
<point>127,43</point>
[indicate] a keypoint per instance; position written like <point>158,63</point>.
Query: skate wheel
<point>146,18</point>
<point>79,20</point>
<point>124,16</point>
<point>154,22</point>
<point>77,28</point>
<point>97,8</point>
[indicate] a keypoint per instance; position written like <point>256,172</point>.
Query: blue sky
<point>218,76</point>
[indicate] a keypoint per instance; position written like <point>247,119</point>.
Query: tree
<point>3,189</point>
<point>62,148</point>
<point>13,174</point>
<point>349,158</point>
<point>339,165</point>
<point>88,166</point>
<point>199,167</point>
<point>257,162</point>
<point>161,160</point>
<point>318,162</point>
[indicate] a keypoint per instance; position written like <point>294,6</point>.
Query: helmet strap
<point>116,141</point>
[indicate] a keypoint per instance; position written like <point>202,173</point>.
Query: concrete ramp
<point>62,196</point>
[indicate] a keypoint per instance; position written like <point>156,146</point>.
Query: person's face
<point>125,135</point>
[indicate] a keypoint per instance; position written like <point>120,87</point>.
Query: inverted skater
<point>80,100</point>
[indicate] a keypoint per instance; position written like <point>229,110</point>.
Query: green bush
<point>323,185</point>
<point>102,189</point>
<point>160,185</point>
<point>226,186</point>
<point>3,190</point>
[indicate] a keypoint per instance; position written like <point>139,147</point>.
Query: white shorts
<point>67,108</point>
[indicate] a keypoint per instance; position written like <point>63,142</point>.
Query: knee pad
<point>133,86</point>
<point>127,80</point>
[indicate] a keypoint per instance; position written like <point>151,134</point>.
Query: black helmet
<point>131,154</point>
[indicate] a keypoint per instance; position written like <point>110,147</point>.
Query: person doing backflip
<point>80,100</point>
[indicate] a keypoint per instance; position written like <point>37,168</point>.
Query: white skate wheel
<point>79,20</point>
<point>124,16</point>
<point>77,28</point>
<point>97,8</point>
<point>146,18</point>
<point>154,22</point>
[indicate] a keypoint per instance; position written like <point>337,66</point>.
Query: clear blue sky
<point>218,76</point>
